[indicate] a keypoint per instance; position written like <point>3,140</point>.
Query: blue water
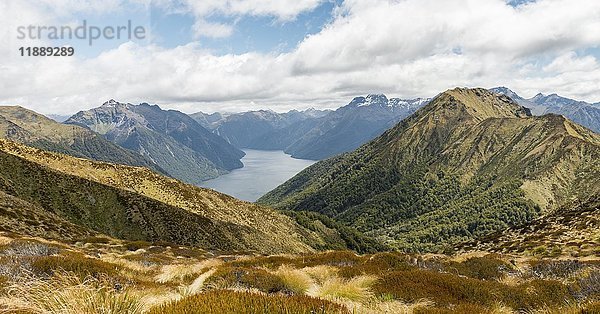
<point>262,172</point>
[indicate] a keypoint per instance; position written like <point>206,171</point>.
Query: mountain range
<point>312,134</point>
<point>580,112</point>
<point>262,129</point>
<point>469,173</point>
<point>33,129</point>
<point>171,139</point>
<point>469,163</point>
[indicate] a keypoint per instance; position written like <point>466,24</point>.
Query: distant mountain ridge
<point>581,112</point>
<point>348,127</point>
<point>261,129</point>
<point>312,134</point>
<point>28,127</point>
<point>173,140</point>
<point>469,163</point>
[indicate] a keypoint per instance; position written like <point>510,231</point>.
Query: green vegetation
<point>112,211</point>
<point>545,237</point>
<point>337,236</point>
<point>52,195</point>
<point>466,165</point>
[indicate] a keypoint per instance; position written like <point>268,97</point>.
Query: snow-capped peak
<point>110,103</point>
<point>377,99</point>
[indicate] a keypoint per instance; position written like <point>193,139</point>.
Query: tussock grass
<point>386,306</point>
<point>356,289</point>
<point>320,273</point>
<point>174,272</point>
<point>196,286</point>
<point>47,277</point>
<point>129,264</point>
<point>74,263</point>
<point>569,308</point>
<point>294,280</point>
<point>26,247</point>
<point>376,264</point>
<point>67,293</point>
<point>232,302</point>
<point>482,267</point>
<point>228,277</point>
<point>447,289</point>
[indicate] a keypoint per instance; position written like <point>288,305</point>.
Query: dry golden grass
<point>355,289</point>
<point>511,280</point>
<point>174,272</point>
<point>500,308</point>
<point>5,240</point>
<point>196,286</point>
<point>320,273</point>
<point>120,281</point>
<point>129,264</point>
<point>67,293</point>
<point>385,307</point>
<point>156,297</point>
<point>294,280</point>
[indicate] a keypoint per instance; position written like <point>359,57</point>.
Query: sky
<point>237,55</point>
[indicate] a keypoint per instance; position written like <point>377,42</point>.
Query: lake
<point>263,171</point>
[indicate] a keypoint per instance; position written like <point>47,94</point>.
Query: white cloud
<point>202,28</point>
<point>406,48</point>
<point>570,62</point>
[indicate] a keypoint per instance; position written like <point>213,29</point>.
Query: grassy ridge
<point>138,204</point>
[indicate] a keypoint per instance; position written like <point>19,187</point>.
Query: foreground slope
<point>105,275</point>
<point>170,138</point>
<point>467,164</point>
<point>573,229</point>
<point>138,204</point>
<point>28,127</point>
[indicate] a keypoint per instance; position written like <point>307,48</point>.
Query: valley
<point>470,204</point>
<point>300,157</point>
